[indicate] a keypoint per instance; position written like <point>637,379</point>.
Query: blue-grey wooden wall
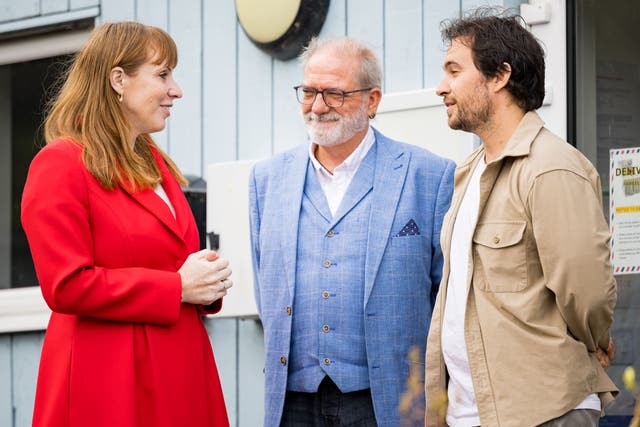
<point>238,104</point>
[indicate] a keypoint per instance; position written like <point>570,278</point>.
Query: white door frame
<point>553,36</point>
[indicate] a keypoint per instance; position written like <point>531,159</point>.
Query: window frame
<point>24,309</point>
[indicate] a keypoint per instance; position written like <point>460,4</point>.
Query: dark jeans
<point>328,407</point>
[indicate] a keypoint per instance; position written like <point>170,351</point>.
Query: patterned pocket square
<point>409,229</point>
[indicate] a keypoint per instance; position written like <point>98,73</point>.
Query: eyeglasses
<point>332,97</point>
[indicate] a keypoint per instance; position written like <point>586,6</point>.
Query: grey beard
<point>345,127</point>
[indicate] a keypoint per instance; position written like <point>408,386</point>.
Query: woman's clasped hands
<point>205,277</point>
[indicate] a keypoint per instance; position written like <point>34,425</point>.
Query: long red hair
<point>86,108</point>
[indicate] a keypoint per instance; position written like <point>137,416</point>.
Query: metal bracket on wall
<point>536,12</point>
<point>214,241</point>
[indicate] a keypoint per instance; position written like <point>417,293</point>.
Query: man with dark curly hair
<point>520,333</point>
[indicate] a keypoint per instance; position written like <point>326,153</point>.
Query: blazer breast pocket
<point>500,255</point>
<point>408,257</point>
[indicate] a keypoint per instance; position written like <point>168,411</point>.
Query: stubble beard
<point>473,114</point>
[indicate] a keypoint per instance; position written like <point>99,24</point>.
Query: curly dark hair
<point>496,38</point>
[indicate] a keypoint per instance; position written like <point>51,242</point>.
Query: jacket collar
<point>520,142</point>
<point>518,145</point>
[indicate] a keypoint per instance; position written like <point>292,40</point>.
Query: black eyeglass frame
<point>344,93</point>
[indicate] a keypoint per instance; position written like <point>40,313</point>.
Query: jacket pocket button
<point>283,360</point>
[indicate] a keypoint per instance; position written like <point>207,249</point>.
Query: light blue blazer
<point>403,270</point>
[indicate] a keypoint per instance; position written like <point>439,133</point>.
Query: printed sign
<point>624,210</point>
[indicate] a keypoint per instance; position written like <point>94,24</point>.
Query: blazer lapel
<point>313,190</point>
<point>154,204</point>
<point>360,185</point>
<point>292,181</point>
<point>390,172</point>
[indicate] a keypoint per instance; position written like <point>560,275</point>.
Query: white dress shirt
<point>335,185</point>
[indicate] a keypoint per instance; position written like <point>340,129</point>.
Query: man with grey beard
<point>345,234</point>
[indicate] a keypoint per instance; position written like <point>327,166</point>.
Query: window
<point>28,67</point>
<point>29,86</point>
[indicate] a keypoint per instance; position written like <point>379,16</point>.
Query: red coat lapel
<point>184,217</point>
<point>157,207</point>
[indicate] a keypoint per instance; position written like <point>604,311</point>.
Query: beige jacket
<point>541,287</point>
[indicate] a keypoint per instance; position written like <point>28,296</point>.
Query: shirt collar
<point>352,162</point>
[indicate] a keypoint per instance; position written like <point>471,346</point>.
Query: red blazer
<point>120,349</point>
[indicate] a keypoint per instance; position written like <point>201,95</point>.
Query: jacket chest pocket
<point>500,255</point>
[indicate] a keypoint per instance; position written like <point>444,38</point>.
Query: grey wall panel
<point>336,23</point>
<point>53,6</point>
<point>250,373</point>
<point>185,131</point>
<point>435,11</point>
<point>219,82</point>
<point>365,22</point>
<point>255,115</point>
<point>112,10</point>
<point>223,334</point>
<point>288,124</point>
<point>79,4</point>
<point>162,138</point>
<point>25,355</point>
<point>403,45</point>
<point>6,393</point>
<point>514,5</point>
<point>14,10</point>
<point>472,4</point>
<point>153,12</point>
<point>156,13</point>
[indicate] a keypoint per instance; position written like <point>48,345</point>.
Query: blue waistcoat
<point>328,336</point>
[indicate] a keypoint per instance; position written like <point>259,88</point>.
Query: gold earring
<point>120,98</point>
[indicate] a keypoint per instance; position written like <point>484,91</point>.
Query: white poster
<point>624,197</point>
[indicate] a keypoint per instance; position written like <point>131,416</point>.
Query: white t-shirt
<point>462,410</point>
<point>163,195</point>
